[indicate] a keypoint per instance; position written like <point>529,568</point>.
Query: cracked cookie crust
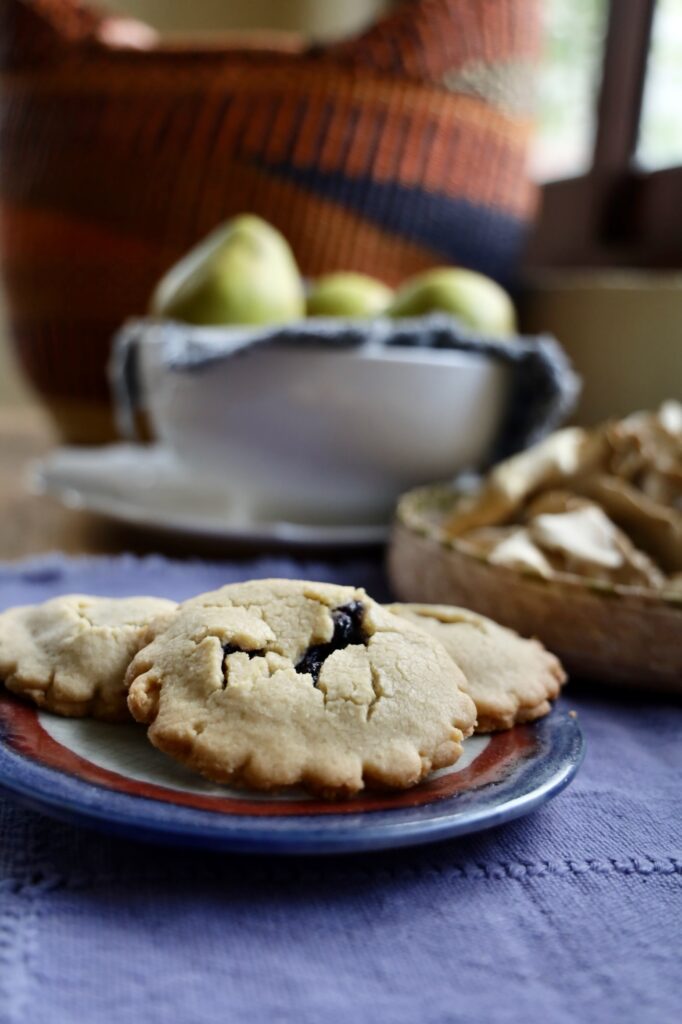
<point>70,654</point>
<point>511,680</point>
<point>275,683</point>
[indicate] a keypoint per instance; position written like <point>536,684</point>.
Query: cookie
<point>511,680</point>
<point>70,654</point>
<point>276,683</point>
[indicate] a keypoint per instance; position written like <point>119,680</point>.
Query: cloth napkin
<point>570,914</point>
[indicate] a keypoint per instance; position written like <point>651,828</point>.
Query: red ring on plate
<point>27,737</point>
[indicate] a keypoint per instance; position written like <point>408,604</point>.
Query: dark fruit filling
<point>347,630</point>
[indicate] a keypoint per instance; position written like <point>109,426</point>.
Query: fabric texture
<point>572,913</point>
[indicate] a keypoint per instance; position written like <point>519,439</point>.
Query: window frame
<point>616,214</point>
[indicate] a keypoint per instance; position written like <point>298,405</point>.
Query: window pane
<point>660,138</point>
<point>567,88</point>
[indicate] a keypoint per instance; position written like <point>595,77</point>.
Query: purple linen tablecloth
<point>571,914</point>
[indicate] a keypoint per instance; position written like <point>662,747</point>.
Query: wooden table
<point>32,524</point>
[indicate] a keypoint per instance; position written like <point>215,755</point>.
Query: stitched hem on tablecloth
<point>18,934</point>
<point>38,881</point>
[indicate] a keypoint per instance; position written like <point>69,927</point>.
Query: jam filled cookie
<point>70,654</point>
<point>511,680</point>
<point>276,683</point>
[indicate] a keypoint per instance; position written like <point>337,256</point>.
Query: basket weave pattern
<point>394,151</point>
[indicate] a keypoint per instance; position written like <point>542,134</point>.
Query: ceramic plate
<point>109,777</point>
<point>143,485</point>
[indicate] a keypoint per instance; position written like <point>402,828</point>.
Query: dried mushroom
<point>604,504</point>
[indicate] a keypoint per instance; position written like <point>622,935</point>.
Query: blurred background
<point>537,143</point>
<point>607,151</point>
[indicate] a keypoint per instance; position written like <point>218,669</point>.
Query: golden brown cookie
<point>70,654</point>
<point>511,680</point>
<point>276,683</point>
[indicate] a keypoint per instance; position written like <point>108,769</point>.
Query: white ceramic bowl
<point>322,435</point>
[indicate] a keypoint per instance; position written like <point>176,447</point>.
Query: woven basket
<point>399,149</point>
<point>627,636</point>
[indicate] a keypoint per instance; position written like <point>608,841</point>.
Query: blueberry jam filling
<point>347,630</point>
<point>229,649</point>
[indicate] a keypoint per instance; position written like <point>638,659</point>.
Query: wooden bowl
<point>622,635</point>
<point>120,151</point>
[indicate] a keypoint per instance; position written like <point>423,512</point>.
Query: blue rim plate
<point>110,778</point>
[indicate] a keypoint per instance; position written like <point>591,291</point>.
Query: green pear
<point>477,300</point>
<point>243,273</point>
<point>347,294</point>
